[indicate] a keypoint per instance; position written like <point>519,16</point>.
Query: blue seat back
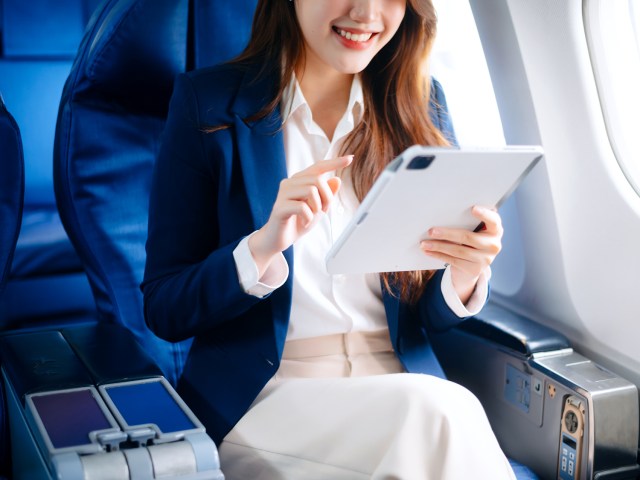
<point>11,202</point>
<point>38,41</point>
<point>110,119</point>
<point>220,31</point>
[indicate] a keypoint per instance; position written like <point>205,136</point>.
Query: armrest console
<point>551,408</point>
<point>87,402</point>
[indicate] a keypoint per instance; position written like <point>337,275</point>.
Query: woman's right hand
<point>300,201</point>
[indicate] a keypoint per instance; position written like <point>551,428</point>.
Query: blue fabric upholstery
<point>53,37</point>
<point>37,46</point>
<point>110,119</point>
<point>11,202</point>
<point>231,33</point>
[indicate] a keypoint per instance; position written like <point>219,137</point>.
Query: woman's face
<point>345,35</point>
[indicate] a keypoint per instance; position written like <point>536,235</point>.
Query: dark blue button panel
<point>69,417</point>
<point>149,403</point>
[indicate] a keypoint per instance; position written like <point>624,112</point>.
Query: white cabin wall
<point>579,217</point>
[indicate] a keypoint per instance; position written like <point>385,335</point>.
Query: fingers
<point>450,238</point>
<point>334,184</point>
<point>316,191</point>
<point>311,185</point>
<point>300,209</point>
<point>462,257</point>
<point>309,194</point>
<point>469,251</point>
<point>326,166</point>
<point>486,237</point>
<point>489,217</point>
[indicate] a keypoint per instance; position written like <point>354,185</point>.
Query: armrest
<point>524,374</point>
<point>74,357</point>
<point>513,331</point>
<point>110,353</point>
<point>40,361</point>
<point>88,400</point>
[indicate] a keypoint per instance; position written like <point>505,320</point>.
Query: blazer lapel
<point>260,145</point>
<point>262,158</point>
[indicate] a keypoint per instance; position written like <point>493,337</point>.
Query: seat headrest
<point>41,29</point>
<point>132,54</point>
<point>232,20</point>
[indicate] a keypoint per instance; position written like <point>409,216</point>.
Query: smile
<point>354,37</point>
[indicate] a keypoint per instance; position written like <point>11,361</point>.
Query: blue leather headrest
<point>134,55</point>
<point>11,190</point>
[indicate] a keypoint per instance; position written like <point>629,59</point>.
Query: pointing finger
<point>325,166</point>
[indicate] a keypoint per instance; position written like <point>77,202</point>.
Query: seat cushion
<point>47,280</point>
<point>43,247</point>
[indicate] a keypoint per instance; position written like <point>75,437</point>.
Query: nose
<point>365,11</point>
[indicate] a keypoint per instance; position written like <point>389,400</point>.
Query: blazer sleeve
<point>190,283</point>
<point>433,311</point>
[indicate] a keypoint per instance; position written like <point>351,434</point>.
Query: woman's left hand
<point>468,253</point>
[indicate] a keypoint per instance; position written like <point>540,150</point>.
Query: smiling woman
<point>324,376</point>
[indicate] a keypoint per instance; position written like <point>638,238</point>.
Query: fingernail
<point>434,232</point>
<point>426,245</point>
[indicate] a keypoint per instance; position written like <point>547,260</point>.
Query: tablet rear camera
<point>421,162</point>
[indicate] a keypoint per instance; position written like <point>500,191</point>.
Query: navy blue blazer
<point>210,190</point>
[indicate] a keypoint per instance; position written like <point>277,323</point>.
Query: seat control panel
<point>571,436</point>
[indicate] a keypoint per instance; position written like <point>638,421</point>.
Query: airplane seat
<point>111,116</point>
<point>47,284</point>
<point>110,119</point>
<point>11,204</point>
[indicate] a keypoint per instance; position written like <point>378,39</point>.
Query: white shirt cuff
<point>273,278</point>
<point>478,297</point>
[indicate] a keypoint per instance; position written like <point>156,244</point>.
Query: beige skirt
<point>341,407</point>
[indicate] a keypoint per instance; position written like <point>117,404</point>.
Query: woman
<point>297,373</point>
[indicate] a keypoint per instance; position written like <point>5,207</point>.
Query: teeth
<point>354,37</point>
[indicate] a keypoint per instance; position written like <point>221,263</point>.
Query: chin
<point>352,67</point>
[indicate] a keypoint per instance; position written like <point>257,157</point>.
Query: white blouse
<point>325,304</point>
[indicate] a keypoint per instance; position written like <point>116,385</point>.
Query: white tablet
<point>426,187</point>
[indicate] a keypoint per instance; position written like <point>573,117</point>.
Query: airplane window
<point>613,34</point>
<point>457,57</point>
<point>458,63</point>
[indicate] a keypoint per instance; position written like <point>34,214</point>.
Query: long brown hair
<point>396,96</point>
